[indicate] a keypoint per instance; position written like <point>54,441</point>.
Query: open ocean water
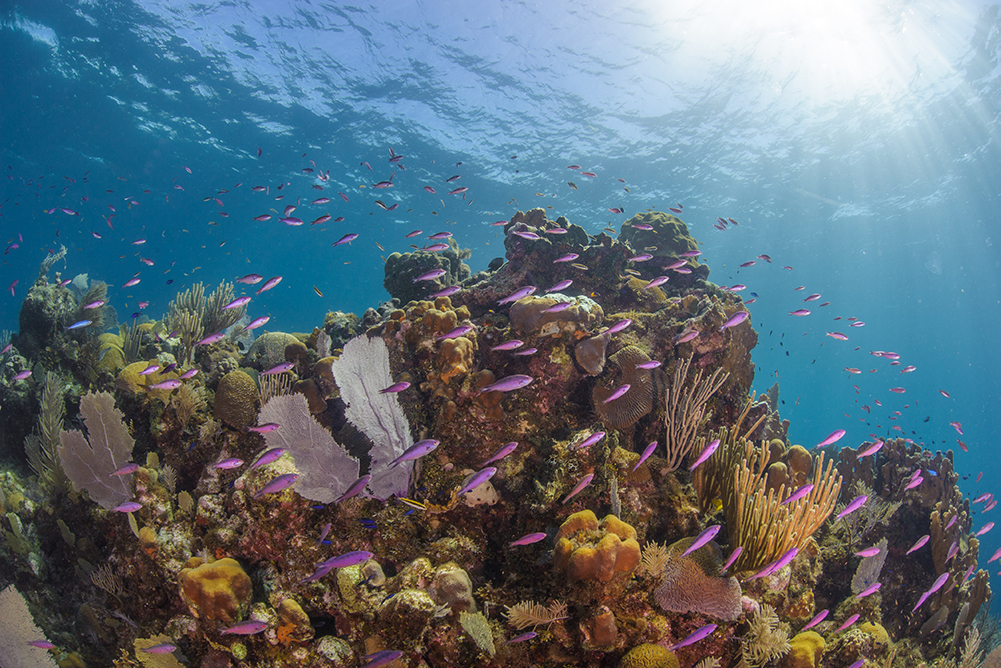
<point>855,143</point>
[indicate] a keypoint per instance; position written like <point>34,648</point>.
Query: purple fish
<point>520,293</point>
<point>584,482</point>
<point>918,544</point>
<point>798,494</point>
<point>557,307</point>
<point>161,648</point>
<point>447,292</point>
<point>80,324</point>
<point>984,529</point>
<point>652,364</point>
<point>618,327</point>
<point>324,533</point>
<point>785,560</point>
<point>868,552</point>
<point>996,555</point>
<point>508,383</point>
<point>347,559</point>
<point>265,428</point>
<point>277,485</point>
<point>848,622</point>
<point>212,338</point>
<point>247,628</point>
<point>250,279</point>
<point>431,275</point>
<point>355,489</point>
<point>96,304</point>
<point>528,635</point>
<point>528,539</point>
<point>502,452</point>
<point>816,620</point>
<point>733,557</point>
<point>569,257</point>
<point>800,312</point>
<point>640,258</point>
<point>695,637</point>
<point>416,451</point>
<point>619,391</point>
<point>934,588</point>
<point>267,457</point>
<point>855,504</point>
<point>691,253</point>
<point>531,236</point>
<point>171,384</point>
<point>237,303</point>
<point>833,437</point>
<point>125,470</point>
<point>509,345</point>
<point>868,591</point>
<point>685,337</point>
<point>915,481</point>
<point>152,368</point>
<point>735,319</point>
<point>434,248</point>
<point>41,644</point>
<point>561,286</point>
<point>858,664</point>
<point>646,454</point>
<point>189,374</point>
<point>589,441</point>
<point>377,659</point>
<point>474,480</point>
<point>395,388</point>
<point>677,264</point>
<point>348,238</point>
<point>702,539</point>
<point>127,507</point>
<point>278,368</point>
<point>440,235</point>
<point>526,351</point>
<point>461,330</point>
<point>270,283</point>
<point>257,322</point>
<point>231,463</point>
<point>705,454</point>
<point>871,450</point>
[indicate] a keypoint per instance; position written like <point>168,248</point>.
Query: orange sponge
<point>219,590</point>
<point>587,550</point>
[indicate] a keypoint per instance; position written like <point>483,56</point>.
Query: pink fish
<point>231,463</point>
<point>734,320</point>
<point>270,283</point>
<point>557,307</point>
<point>855,504</point>
<point>521,293</point>
<point>502,452</point>
<point>812,298</point>
<point>646,227</point>
<point>41,644</point>
<point>798,494</point>
<point>264,428</point>
<point>942,392</point>
<point>800,312</point>
<point>152,368</point>
<point>871,450</point>
<point>267,457</point>
<point>816,620</point>
<point>432,275</point>
<point>732,558</point>
<point>705,454</point>
<point>461,330</point>
<point>619,326</point>
<point>132,281</point>
<point>161,648</point>
<point>171,384</point>
<point>619,391</point>
<point>984,529</point>
<point>833,437</point>
<point>127,507</point>
<point>584,482</point>
<point>647,451</point>
<point>247,628</point>
<point>660,280</point>
<point>395,388</point>
<point>702,539</point>
<point>837,335</point>
<point>848,622</point>
<point>939,581</point>
<point>381,658</point>
<point>569,257</point>
<point>257,322</point>
<point>868,552</point>
<point>696,636</point>
<point>125,470</point>
<point>278,368</point>
<point>211,338</point>
<point>589,441</point>
<point>918,544</point>
<point>685,337</point>
<point>250,279</point>
<point>914,483</point>
<point>346,239</point>
<point>237,303</point>
<point>430,189</point>
<point>527,539</point>
<point>23,375</point>
<point>277,484</point>
<point>416,451</point>
<point>957,426</point>
<point>190,373</point>
<point>868,591</point>
<point>531,236</point>
<point>561,286</point>
<point>435,248</point>
<point>643,257</point>
<point>508,345</point>
<point>355,489</point>
<point>474,480</point>
<point>996,555</point>
<point>447,292</point>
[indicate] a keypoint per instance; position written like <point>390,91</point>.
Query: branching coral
<point>686,407</point>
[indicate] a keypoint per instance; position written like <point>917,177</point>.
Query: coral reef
<point>422,484</point>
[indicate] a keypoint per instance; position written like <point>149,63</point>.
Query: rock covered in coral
<point>219,590</point>
<point>403,272</point>
<point>236,400</point>
<point>587,550</point>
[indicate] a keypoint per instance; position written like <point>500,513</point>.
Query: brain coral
<point>691,584</point>
<point>649,656</point>
<point>236,400</point>
<point>219,590</point>
<point>587,550</point>
<point>635,403</point>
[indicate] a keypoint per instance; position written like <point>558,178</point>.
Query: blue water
<point>857,145</point>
